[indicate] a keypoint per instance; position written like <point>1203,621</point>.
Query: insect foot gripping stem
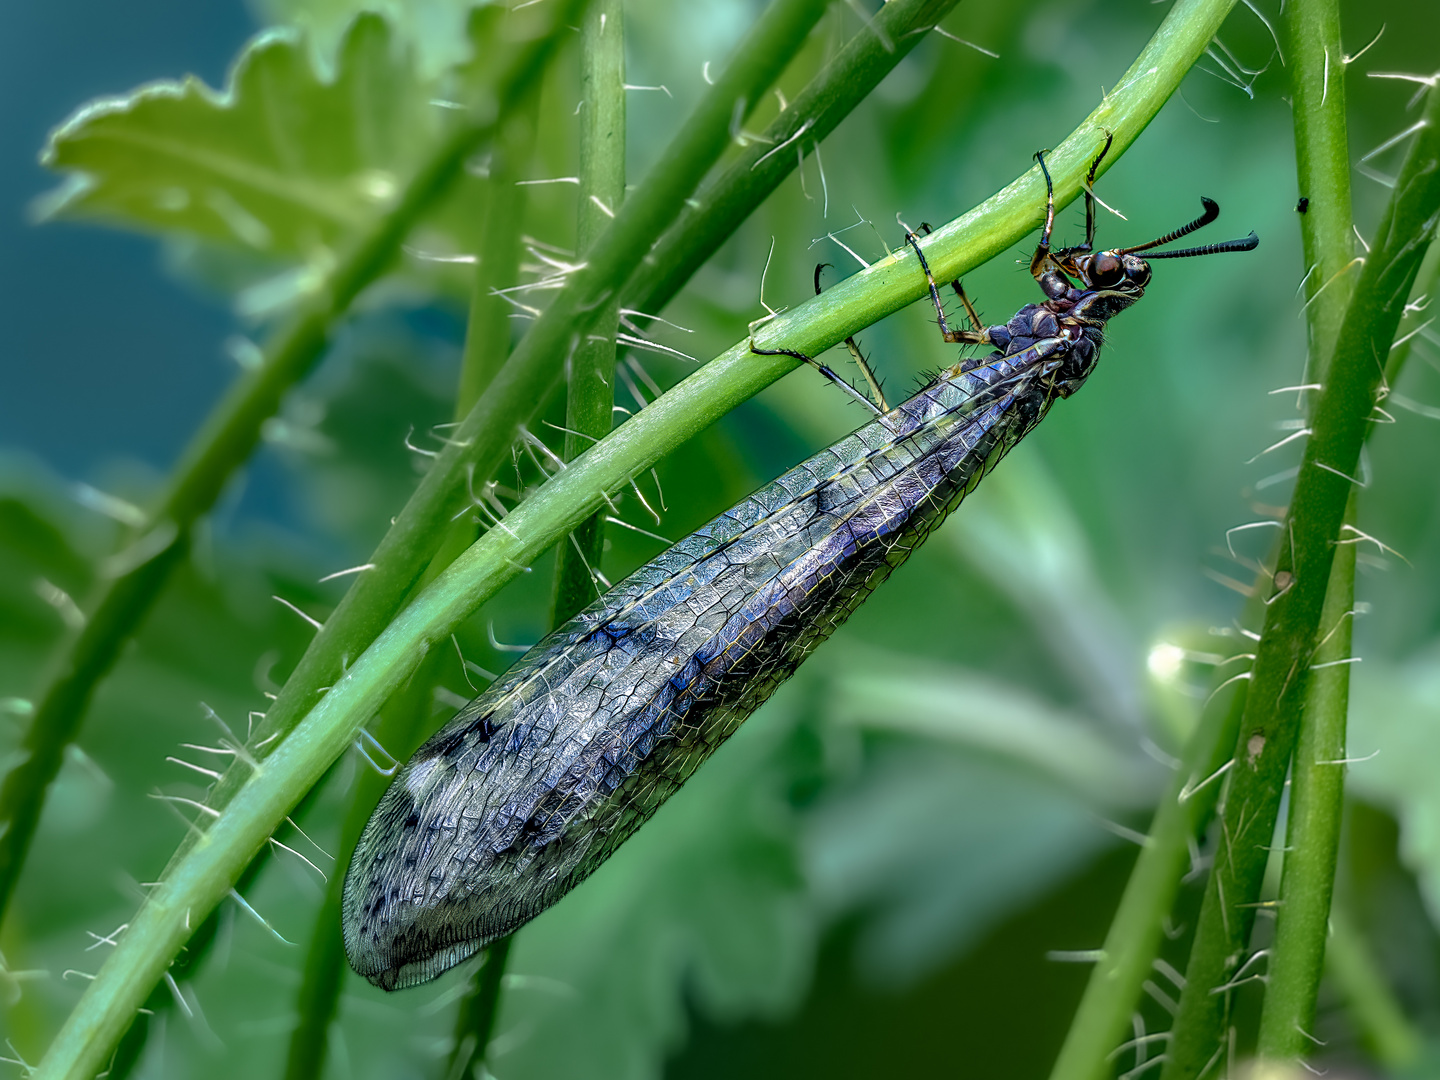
<point>538,780</point>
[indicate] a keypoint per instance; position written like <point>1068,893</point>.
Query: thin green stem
<point>225,441</point>
<point>1317,788</point>
<point>197,880</point>
<point>497,262</point>
<point>1312,839</point>
<point>1322,164</point>
<point>401,725</point>
<point>1285,652</point>
<point>589,399</point>
<point>743,184</point>
<point>590,394</point>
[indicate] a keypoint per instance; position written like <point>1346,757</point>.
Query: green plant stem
<point>497,264</point>
<point>590,392</point>
<point>227,439</point>
<point>742,185</point>
<point>1312,843</point>
<point>1391,1037</point>
<point>197,880</point>
<point>1322,166</point>
<point>1284,654</point>
<point>403,722</point>
<point>589,399</point>
<point>1317,789</point>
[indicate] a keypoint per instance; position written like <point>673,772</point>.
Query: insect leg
<point>823,369</point>
<point>978,336</point>
<point>855,354</point>
<point>1090,194</point>
<point>1041,261</point>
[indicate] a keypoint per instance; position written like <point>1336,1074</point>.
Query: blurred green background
<point>885,869</point>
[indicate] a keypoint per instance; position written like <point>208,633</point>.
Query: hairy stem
<point>1322,166</point>
<point>402,724</point>
<point>1317,790</point>
<point>1285,652</point>
<point>590,393</point>
<point>589,399</point>
<point>497,262</point>
<point>731,195</point>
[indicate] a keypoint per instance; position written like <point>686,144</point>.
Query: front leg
<point>978,336</point>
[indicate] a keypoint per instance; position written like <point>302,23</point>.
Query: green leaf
<point>283,163</point>
<point>435,29</point>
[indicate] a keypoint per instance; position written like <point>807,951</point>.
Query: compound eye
<point>1106,271</point>
<point>1140,273</point>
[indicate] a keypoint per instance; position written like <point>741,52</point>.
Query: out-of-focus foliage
<point>281,163</point>
<point>971,742</point>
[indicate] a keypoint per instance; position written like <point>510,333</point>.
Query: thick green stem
<point>197,880</point>
<point>1317,788</point>
<point>225,441</point>
<point>1285,652</point>
<point>590,394</point>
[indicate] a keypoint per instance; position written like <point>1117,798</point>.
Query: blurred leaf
<point>936,847</point>
<point>963,708</point>
<point>435,29</point>
<point>1394,749</point>
<point>282,163</point>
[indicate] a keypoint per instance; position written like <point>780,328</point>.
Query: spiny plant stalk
<point>1292,625</point>
<point>589,401</point>
<point>225,441</point>
<point>203,875</point>
<point>743,184</point>
<point>590,390</point>
<point>501,205</point>
<point>1317,789</point>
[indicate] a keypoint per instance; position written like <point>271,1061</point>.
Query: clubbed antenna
<point>1212,211</point>
<point>1247,243</point>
